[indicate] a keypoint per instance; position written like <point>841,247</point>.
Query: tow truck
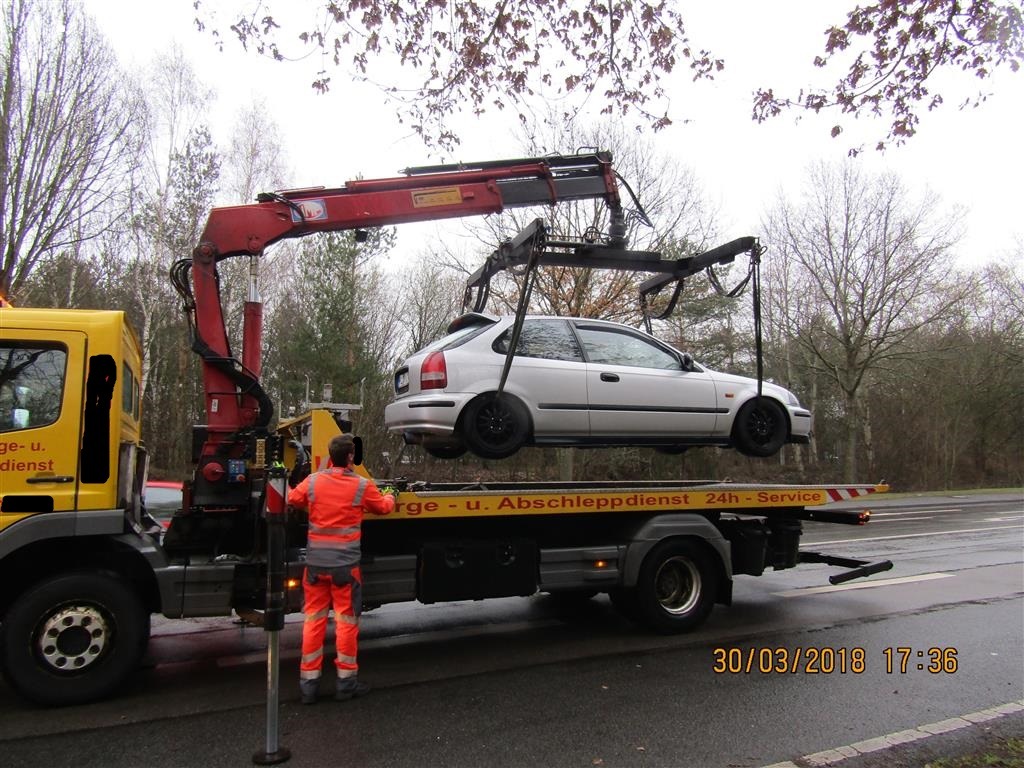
<point>83,569</point>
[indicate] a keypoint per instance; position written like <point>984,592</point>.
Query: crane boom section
<point>236,403</point>
<point>452,192</point>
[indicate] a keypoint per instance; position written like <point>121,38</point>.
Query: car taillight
<point>434,372</point>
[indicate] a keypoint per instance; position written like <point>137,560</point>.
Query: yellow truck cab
<point>69,412</point>
<point>76,573</point>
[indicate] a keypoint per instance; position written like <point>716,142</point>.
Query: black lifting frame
<point>532,248</point>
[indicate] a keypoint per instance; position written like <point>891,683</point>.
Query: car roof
<point>480,318</point>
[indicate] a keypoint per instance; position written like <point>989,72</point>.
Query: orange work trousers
<point>322,587</point>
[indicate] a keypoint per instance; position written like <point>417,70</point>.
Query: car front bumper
<point>800,422</point>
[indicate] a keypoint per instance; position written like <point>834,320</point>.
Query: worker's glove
<point>299,473</point>
<point>390,490</point>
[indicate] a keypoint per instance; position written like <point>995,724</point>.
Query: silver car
<point>579,382</point>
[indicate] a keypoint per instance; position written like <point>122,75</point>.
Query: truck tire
<point>73,638</point>
<point>676,587</point>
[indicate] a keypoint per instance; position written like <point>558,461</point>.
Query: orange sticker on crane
<point>428,198</point>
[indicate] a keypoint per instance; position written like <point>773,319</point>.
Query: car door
<point>549,374</point>
<point>40,421</point>
<point>638,388</point>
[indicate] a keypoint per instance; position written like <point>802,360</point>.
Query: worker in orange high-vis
<point>336,498</point>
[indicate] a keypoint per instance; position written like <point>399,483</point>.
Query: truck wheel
<point>495,427</point>
<point>676,588</point>
<point>73,638</point>
<point>760,429</point>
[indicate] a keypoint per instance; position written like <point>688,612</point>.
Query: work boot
<point>309,690</point>
<point>350,688</point>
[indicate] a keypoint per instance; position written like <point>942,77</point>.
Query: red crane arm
<point>234,398</point>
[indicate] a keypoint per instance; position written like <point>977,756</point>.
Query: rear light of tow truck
<point>434,372</point>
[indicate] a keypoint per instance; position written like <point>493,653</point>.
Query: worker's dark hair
<point>341,448</point>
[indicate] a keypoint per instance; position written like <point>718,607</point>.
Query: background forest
<point>914,370</point>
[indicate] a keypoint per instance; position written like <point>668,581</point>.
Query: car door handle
<point>51,479</point>
<point>609,377</point>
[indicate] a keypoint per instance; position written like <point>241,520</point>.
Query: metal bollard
<point>273,620</point>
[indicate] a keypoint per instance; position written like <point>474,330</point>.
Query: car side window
<point>547,339</point>
<point>612,347</point>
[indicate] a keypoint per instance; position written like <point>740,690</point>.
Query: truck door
<point>41,376</point>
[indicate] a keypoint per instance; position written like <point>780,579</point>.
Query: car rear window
<point>456,338</point>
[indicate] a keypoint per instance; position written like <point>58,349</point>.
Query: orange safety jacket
<point>336,499</point>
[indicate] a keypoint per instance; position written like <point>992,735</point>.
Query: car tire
<point>676,587</point>
<point>445,450</point>
<point>495,427</point>
<point>760,428</point>
<point>73,638</point>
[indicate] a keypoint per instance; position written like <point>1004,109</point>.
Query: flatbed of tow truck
<point>446,500</point>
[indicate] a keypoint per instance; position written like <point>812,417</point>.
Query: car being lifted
<point>580,382</point>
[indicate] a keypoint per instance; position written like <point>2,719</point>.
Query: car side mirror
<point>687,361</point>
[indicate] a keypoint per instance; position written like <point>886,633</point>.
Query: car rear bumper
<point>426,413</point>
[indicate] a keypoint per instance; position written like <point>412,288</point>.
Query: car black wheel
<point>445,450</point>
<point>73,638</point>
<point>676,587</point>
<point>760,428</point>
<point>495,427</point>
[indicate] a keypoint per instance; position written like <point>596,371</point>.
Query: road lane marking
<point>909,535</point>
<point>1004,519</point>
<point>880,743</point>
<point>900,519</point>
<point>862,584</point>
<point>914,512</point>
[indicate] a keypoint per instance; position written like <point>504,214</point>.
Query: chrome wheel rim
<point>73,639</point>
<point>677,585</point>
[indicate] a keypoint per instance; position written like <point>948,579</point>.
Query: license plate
<point>401,381</point>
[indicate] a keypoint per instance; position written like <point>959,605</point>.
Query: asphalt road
<point>528,682</point>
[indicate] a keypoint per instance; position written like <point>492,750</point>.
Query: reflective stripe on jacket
<point>336,499</point>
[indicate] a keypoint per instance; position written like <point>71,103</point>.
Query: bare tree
<point>869,269</point>
<point>66,133</point>
<point>431,298</point>
<point>253,162</point>
<point>897,47</point>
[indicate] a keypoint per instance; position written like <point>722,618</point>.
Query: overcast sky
<point>972,158</point>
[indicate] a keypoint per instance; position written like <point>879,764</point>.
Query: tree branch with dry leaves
<point>898,46</point>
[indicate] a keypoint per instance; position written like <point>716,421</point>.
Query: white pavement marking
<point>862,584</point>
<point>838,754</point>
<point>912,535</point>
<point>915,512</point>
<point>900,519</point>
